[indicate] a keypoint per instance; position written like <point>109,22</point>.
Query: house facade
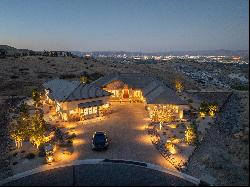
<point>133,87</point>
<point>76,101</point>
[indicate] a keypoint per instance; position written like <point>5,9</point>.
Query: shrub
<point>191,135</point>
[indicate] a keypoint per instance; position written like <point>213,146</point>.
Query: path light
<point>171,147</point>
<point>202,114</point>
<point>173,125</point>
<point>49,159</point>
<point>160,125</point>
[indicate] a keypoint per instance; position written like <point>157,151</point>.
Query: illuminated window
<point>137,93</point>
<point>72,112</point>
<point>114,93</point>
<point>86,111</point>
<point>90,110</point>
<point>94,110</point>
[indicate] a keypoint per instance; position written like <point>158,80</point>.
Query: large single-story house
<point>135,87</point>
<point>76,100</point>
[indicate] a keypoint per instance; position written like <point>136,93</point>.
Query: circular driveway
<point>125,128</point>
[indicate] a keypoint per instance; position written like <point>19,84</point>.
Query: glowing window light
<point>86,111</point>
<point>90,110</point>
<point>94,110</point>
<point>72,111</point>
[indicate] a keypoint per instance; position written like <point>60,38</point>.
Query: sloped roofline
<point>164,94</point>
<point>77,85</point>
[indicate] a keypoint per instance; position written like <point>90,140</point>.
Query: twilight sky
<point>130,25</point>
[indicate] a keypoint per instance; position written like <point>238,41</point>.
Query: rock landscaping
<point>6,144</point>
<point>222,158</point>
<point>170,138</point>
<point>180,152</point>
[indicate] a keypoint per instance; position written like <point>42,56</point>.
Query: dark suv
<point>99,141</point>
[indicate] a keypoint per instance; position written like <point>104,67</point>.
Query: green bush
<point>191,134</point>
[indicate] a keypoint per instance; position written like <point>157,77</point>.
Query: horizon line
<point>127,51</point>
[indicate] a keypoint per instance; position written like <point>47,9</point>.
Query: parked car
<point>99,141</point>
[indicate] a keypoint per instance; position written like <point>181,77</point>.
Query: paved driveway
<point>108,174</point>
<point>126,130</point>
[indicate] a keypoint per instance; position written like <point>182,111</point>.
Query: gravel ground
<point>223,156</point>
<point>5,142</point>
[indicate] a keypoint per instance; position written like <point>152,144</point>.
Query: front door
<point>125,94</point>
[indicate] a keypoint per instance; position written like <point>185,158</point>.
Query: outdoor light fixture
<point>49,159</point>
<point>202,114</point>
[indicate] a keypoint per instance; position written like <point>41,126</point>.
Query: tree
<point>191,135</point>
<point>166,114</point>
<point>3,53</point>
<point>203,109</point>
<point>212,109</point>
<point>31,128</point>
<point>68,54</point>
<point>20,129</point>
<point>154,116</point>
<point>163,114</point>
<point>55,54</point>
<point>179,86</point>
<point>37,130</point>
<point>36,97</point>
<point>208,109</point>
<point>83,79</point>
<point>24,108</point>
